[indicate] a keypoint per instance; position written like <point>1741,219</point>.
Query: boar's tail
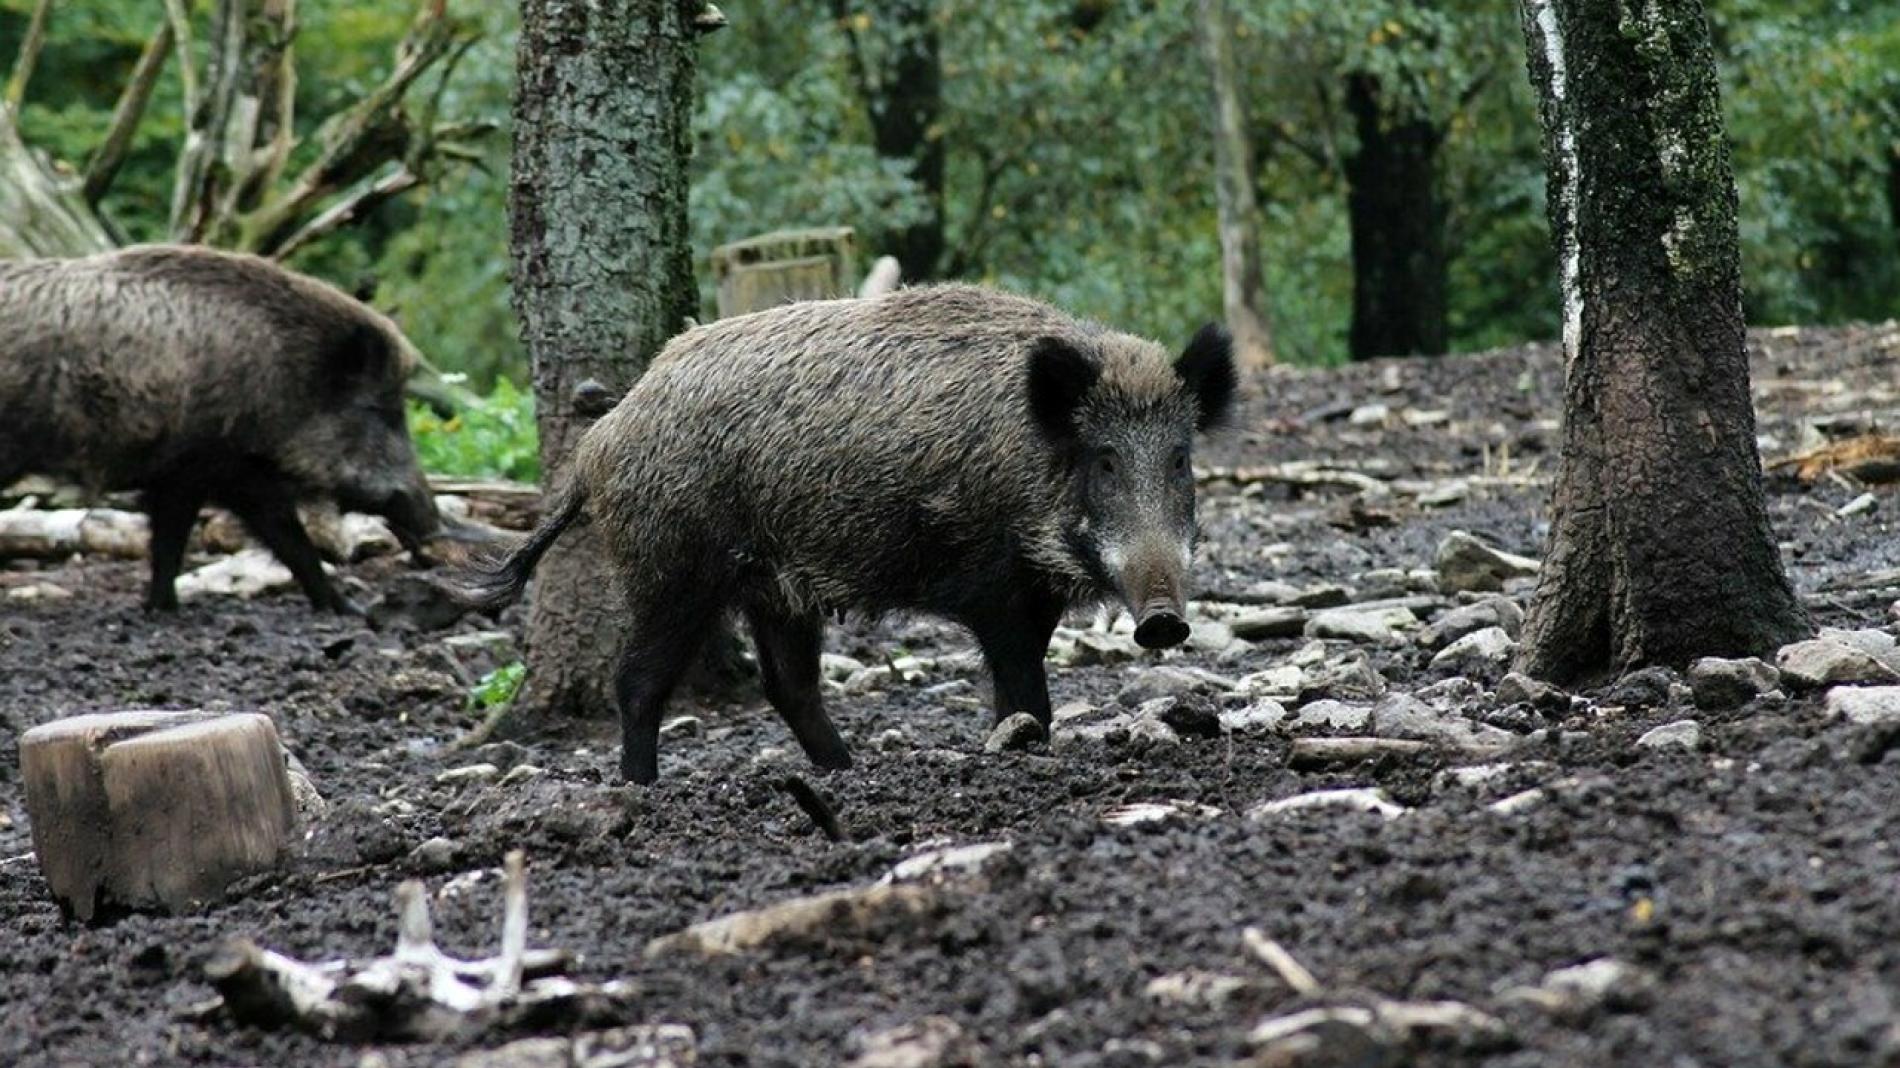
<point>497,582</point>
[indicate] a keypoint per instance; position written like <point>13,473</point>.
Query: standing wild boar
<point>194,375</point>
<point>950,449</point>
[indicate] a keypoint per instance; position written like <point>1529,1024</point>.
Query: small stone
<point>1500,612</point>
<point>1370,415</point>
<point>1518,688</point>
<point>1196,988</point>
<point>1327,596</point>
<point>521,773</point>
<point>1383,583</point>
<point>1283,681</point>
<point>1016,733</point>
<point>1158,682</point>
<point>1142,813</point>
<point>1361,798</point>
<point>1445,494</point>
<point>472,773</point>
<point>1822,662</point>
<point>1483,654</point>
<point>1717,683</point>
<point>1371,626</point>
<point>483,651</point>
<point>1467,563</point>
<point>1516,719</point>
<point>817,919</point>
<point>1874,642</point>
<point>932,1042</point>
<point>1866,502</point>
<point>1352,678</point>
<point>1405,716</point>
<point>1336,715</point>
<point>961,861</point>
<point>1209,636</point>
<point>838,668</point>
<point>1644,688</point>
<point>1193,716</point>
<point>1262,624</point>
<point>1264,714</point>
<point>682,727</point>
<point>1865,705</point>
<point>436,854</point>
<point>1683,734</point>
<point>1094,647</point>
<point>1576,992</point>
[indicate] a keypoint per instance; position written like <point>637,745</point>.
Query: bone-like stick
<point>1291,971</point>
<point>415,933</point>
<point>514,925</point>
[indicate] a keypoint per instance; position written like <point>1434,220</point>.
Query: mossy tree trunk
<point>602,276</point>
<point>1660,548</point>
<point>1397,214</point>
<point>897,61</point>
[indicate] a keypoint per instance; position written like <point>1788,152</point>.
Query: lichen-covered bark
<point>602,272</point>
<point>1397,220</point>
<point>1660,548</point>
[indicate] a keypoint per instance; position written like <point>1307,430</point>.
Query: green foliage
<point>492,439</point>
<point>498,687</point>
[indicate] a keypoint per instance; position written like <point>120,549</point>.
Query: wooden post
<point>784,266</point>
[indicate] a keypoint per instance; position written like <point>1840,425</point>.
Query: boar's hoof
<point>1160,630</point>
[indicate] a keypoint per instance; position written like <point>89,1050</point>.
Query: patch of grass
<point>498,687</point>
<point>493,439</point>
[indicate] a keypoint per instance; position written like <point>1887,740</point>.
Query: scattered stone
<point>521,773</point>
<point>1683,734</point>
<point>1467,563</point>
<point>1283,681</point>
<point>1336,715</point>
<point>1196,988</point>
<point>415,601</point>
<point>472,773</point>
<point>1209,636</point>
<point>1518,688</point>
<point>1513,719</point>
<point>817,919</point>
<point>1094,647</point>
<point>1142,813</point>
<point>1449,693</point>
<point>481,652</point>
<point>242,574</point>
<point>932,1042</point>
<point>1310,754</point>
<point>39,591</point>
<point>1581,990</point>
<point>1016,733</point>
<point>1822,662</point>
<point>1264,714</point>
<point>963,860</point>
<point>1717,683</point>
<point>1192,716</point>
<point>1644,688</point>
<point>1364,799</point>
<point>436,854</point>
<point>1500,612</point>
<point>1158,682</point>
<point>648,1046</point>
<point>1866,502</point>
<point>1351,678</point>
<point>1262,624</point>
<point>1518,803</point>
<point>1325,596</point>
<point>1865,705</point>
<point>1484,654</point>
<point>837,667</point>
<point>1874,642</point>
<point>1476,776</point>
<point>1375,414</point>
<point>1357,624</point>
<point>682,727</point>
<point>1445,494</point>
<point>1405,716</point>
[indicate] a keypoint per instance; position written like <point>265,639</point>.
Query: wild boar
<point>950,450</point>
<point>194,375</point>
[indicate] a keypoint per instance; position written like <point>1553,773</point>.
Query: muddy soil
<point>1754,877</point>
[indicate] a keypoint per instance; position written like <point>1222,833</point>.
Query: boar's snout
<point>1159,626</point>
<point>1154,584</point>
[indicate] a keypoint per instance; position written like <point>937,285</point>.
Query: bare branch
<point>195,190</point>
<point>1291,971</point>
<point>349,210</point>
<point>178,15</point>
<point>29,57</point>
<point>260,133</point>
<point>106,160</point>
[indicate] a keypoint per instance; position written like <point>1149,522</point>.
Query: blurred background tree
<point>1399,184</point>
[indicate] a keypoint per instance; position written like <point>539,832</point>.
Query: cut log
<point>62,532</point>
<point>154,809</point>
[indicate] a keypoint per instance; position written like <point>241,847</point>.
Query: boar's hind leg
<point>667,636</point>
<point>173,511</point>
<point>788,646</point>
<point>270,512</point>
<point>1014,639</point>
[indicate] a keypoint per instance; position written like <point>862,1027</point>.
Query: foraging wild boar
<point>192,375</point>
<point>950,449</point>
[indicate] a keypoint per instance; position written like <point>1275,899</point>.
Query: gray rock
<point>1870,640</point>
<point>1466,563</point>
<point>1015,733</point>
<point>1209,636</point>
<point>1518,688</point>
<point>1155,682</point>
<point>1645,688</point>
<point>1500,612</point>
<point>1405,716</point>
<point>1865,705</point>
<point>436,854</point>
<point>1262,624</point>
<point>1718,683</point>
<point>1355,624</point>
<point>1682,734</point>
<point>1334,714</point>
<point>1196,988</point>
<point>1283,681</point>
<point>483,651</point>
<point>1192,716</point>
<point>1484,654</point>
<point>1454,692</point>
<point>682,727</point>
<point>1264,714</point>
<point>1822,662</point>
<point>1384,582</point>
<point>1095,647</point>
<point>1581,990</point>
<point>932,1042</point>
<point>471,773</point>
<point>1350,678</point>
<point>1325,596</point>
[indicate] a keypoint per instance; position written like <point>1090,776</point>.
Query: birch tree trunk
<point>602,276</point>
<point>1243,279</point>
<point>1660,547</point>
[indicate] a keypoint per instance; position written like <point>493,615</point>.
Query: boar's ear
<point>1206,368</point>
<point>1059,377</point>
<point>358,356</point>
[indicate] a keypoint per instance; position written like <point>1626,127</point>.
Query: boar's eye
<point>1178,463</point>
<point>1105,463</point>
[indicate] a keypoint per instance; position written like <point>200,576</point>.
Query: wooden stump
<point>154,809</point>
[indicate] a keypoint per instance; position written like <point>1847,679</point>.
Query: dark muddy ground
<point>1754,878</point>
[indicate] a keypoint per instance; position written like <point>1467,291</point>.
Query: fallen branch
<point>110,155</point>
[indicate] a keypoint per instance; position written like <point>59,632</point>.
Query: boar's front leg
<point>270,512</point>
<point>172,510</point>
<point>1014,638</point>
<point>788,647</point>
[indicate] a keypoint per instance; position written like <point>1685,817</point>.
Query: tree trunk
<point>1660,547</point>
<point>603,275</point>
<point>1244,285</point>
<point>901,80</point>
<point>1398,227</point>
